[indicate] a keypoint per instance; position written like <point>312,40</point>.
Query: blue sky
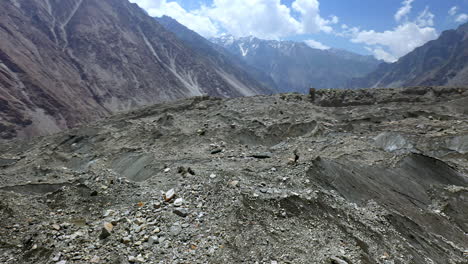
<point>387,29</point>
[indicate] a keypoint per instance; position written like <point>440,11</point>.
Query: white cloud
<point>201,24</point>
<point>404,10</point>
<point>425,18</point>
<point>453,10</point>
<point>390,45</point>
<point>262,18</point>
<point>316,45</point>
<point>462,18</point>
<point>381,54</point>
<point>398,42</point>
<point>312,22</point>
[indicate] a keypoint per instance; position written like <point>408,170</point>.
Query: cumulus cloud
<point>461,18</point>
<point>404,10</point>
<point>316,45</point>
<point>398,42</point>
<point>312,22</point>
<point>262,18</point>
<point>453,10</point>
<point>390,45</point>
<point>199,23</point>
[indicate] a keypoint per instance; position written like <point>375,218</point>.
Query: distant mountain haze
<point>295,67</point>
<point>441,62</point>
<point>65,62</point>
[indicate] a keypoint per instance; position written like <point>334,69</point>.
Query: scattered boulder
<point>178,202</point>
<point>106,230</point>
<point>216,151</point>
<point>263,155</point>
<point>169,195</point>
<point>182,212</point>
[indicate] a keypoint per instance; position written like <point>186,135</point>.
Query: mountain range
<point>295,66</point>
<point>441,62</point>
<point>66,62</point>
<point>69,62</point>
<point>216,54</point>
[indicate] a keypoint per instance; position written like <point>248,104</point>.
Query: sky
<point>387,29</point>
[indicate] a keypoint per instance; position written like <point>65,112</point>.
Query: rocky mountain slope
<point>295,67</point>
<point>350,177</point>
<point>217,55</point>
<point>439,62</point>
<point>71,61</point>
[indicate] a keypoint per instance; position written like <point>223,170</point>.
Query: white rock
<point>169,195</point>
<point>178,202</point>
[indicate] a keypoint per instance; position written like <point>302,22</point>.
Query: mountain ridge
<point>295,66</point>
<point>72,61</point>
<point>217,54</point>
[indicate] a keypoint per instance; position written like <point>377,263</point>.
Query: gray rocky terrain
<point>365,176</point>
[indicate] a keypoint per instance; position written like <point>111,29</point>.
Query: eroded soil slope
<point>368,176</point>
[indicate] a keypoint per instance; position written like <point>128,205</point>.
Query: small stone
<point>157,205</point>
<point>265,155</point>
<point>139,221</point>
<point>169,195</point>
<point>338,260</point>
<point>126,240</point>
<point>212,175</point>
<point>191,171</point>
<point>178,202</point>
<point>109,213</point>
<point>56,227</point>
<point>216,151</point>
<point>175,230</point>
<point>95,259</point>
<point>62,262</point>
<point>153,240</point>
<point>131,259</point>
<point>56,257</point>
<point>234,184</point>
<point>156,230</point>
<point>166,170</point>
<point>106,230</point>
<point>182,212</point>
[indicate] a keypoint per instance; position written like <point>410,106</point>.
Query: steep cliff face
<point>439,62</point>
<point>71,61</point>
